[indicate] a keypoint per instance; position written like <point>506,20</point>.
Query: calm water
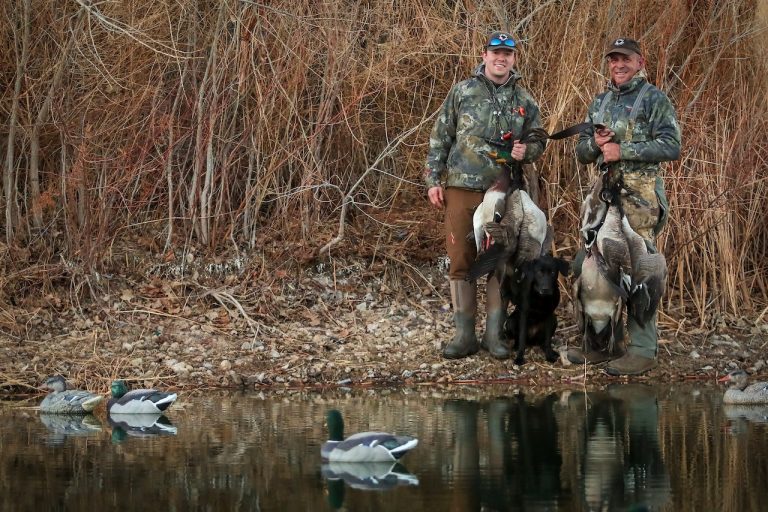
<point>625,447</point>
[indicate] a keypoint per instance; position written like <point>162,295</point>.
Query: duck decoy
<point>137,401</point>
<point>363,446</point>
<point>740,392</point>
<point>649,276</point>
<point>598,304</point>
<point>63,400</point>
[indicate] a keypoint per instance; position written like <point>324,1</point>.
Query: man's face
<point>624,67</point>
<point>498,64</point>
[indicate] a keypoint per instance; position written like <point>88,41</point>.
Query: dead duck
<point>137,401</point>
<point>363,446</point>
<point>598,303</point>
<point>649,276</point>
<point>740,392</point>
<point>63,400</point>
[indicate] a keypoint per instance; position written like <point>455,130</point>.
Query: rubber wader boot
<point>464,299</point>
<point>494,339</point>
<point>641,352</point>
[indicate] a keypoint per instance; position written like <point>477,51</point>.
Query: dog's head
<point>544,271</point>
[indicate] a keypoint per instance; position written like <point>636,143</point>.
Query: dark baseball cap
<point>501,40</point>
<point>624,45</point>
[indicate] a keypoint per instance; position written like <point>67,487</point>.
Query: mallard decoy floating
<point>364,446</point>
<point>63,400</point>
<point>740,392</point>
<point>137,401</point>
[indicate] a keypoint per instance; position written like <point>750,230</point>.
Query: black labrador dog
<point>534,291</point>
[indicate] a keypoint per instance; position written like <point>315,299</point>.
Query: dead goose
<point>598,304</point>
<point>649,276</point>
<point>518,237</point>
<point>491,209</point>
<point>613,247</point>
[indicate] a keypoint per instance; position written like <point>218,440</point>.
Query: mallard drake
<point>67,401</point>
<point>137,401</point>
<point>364,446</point>
<point>741,393</point>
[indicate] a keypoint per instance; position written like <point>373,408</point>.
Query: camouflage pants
<point>645,204</point>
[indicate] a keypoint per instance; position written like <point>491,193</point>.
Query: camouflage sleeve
<point>533,150</point>
<point>663,142</point>
<point>440,141</point>
<point>587,150</point>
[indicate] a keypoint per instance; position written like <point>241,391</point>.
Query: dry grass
<point>222,124</point>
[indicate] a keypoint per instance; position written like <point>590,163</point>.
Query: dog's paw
<point>552,356</point>
<point>520,361</point>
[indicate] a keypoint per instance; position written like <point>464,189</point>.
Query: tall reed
<point>240,122</point>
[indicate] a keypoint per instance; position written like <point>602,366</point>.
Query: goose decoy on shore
<point>740,392</point>
<point>137,401</point>
<point>63,400</point>
<point>598,303</point>
<point>363,446</point>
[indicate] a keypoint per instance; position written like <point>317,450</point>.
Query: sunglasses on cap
<point>508,43</point>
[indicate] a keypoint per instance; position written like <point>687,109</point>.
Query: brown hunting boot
<point>631,364</point>
<point>494,338</point>
<point>464,299</point>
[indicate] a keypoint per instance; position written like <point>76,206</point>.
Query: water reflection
<point>365,476</point>
<point>493,448</point>
<point>62,426</point>
<point>622,464</point>
<point>140,425</point>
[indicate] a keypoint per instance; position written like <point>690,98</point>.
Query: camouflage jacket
<point>475,112</point>
<point>653,137</point>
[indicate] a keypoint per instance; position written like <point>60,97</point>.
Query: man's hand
<point>436,196</point>
<point>518,151</point>
<point>603,136</point>
<point>611,152</point>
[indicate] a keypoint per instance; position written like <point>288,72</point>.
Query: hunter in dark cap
<point>635,130</point>
<point>624,45</point>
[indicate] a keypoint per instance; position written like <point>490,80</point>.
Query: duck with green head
<point>363,446</point>
<point>137,401</point>
<point>63,400</point>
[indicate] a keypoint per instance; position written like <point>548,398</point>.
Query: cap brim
<point>625,51</point>
<point>501,47</point>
